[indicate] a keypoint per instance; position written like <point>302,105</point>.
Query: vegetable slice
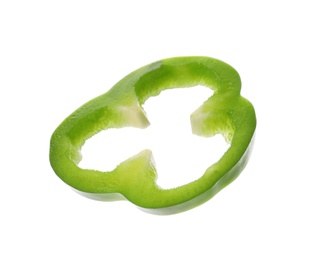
<point>225,112</point>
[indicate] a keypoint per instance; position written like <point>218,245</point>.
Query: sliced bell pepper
<point>225,112</point>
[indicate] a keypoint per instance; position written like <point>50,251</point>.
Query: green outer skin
<point>225,112</point>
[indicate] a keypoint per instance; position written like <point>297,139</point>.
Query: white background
<point>56,55</point>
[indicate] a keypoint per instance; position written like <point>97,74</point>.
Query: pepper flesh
<point>226,112</point>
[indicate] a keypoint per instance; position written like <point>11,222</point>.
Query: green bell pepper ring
<point>225,112</point>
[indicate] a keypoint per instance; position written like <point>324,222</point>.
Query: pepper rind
<point>225,112</point>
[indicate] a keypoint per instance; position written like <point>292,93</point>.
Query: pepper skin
<point>226,112</point>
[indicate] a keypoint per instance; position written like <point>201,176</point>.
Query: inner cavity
<point>180,157</point>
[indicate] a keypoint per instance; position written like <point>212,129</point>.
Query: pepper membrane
<point>226,112</point>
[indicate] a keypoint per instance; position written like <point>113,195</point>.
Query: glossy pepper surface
<point>226,112</point>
